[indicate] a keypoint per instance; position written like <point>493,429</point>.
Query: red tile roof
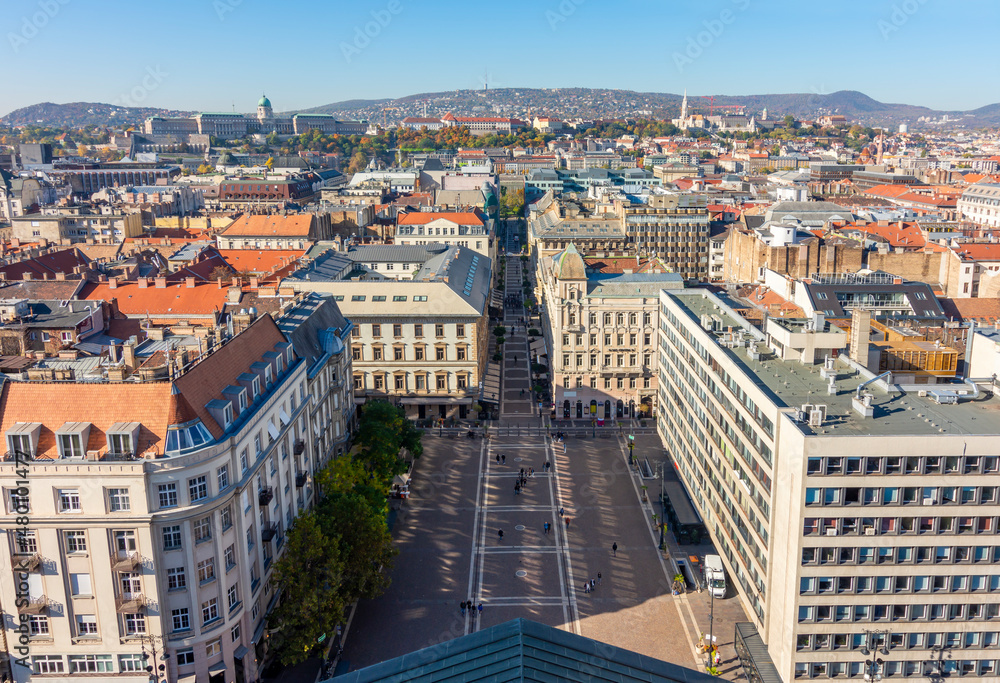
<point>981,251</point>
<point>986,310</point>
<point>619,264</point>
<point>174,301</point>
<point>46,266</point>
<point>297,225</point>
<point>263,262</point>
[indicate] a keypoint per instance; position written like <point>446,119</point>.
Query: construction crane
<point>712,106</point>
<point>384,110</point>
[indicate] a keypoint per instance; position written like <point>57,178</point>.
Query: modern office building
<point>840,504</point>
<point>674,227</point>
<point>146,503</point>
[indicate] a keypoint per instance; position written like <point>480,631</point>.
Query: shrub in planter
<point>497,357</point>
<point>499,330</point>
<point>533,332</point>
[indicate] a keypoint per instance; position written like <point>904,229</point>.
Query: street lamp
<point>876,643</point>
<point>153,669</point>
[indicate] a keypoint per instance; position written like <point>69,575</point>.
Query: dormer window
<point>221,411</point>
<point>186,437</point>
<point>256,387</point>
<point>279,363</point>
<point>72,439</point>
<point>22,439</point>
<point>237,396</point>
<point>122,438</point>
<point>268,375</point>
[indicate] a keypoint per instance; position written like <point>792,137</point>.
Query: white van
<point>715,576</point>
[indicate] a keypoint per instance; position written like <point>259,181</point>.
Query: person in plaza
<point>547,527</point>
<point>461,606</point>
<point>614,548</point>
<point>547,465</point>
<point>598,578</point>
<point>498,458</point>
<point>500,534</point>
<point>560,512</point>
<point>593,584</point>
<point>503,459</point>
<point>567,522</point>
<point>517,489</point>
<point>586,587</point>
<point>480,610</point>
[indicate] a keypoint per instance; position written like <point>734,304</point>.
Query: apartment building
<point>103,225</point>
<point>421,342</point>
<point>672,226</point>
<point>602,316</point>
<point>469,229</point>
<point>840,504</point>
<point>145,506</point>
<point>980,203</point>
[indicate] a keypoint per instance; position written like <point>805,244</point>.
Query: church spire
<point>684,105</point>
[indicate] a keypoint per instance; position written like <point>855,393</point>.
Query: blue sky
<point>211,54</point>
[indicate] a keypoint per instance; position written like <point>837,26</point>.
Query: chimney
<point>128,354</point>
<point>143,283</point>
<point>161,282</point>
<point>234,294</point>
<point>189,282</point>
<point>254,283</point>
<point>220,283</point>
<point>27,276</point>
<point>62,276</point>
<point>236,282</point>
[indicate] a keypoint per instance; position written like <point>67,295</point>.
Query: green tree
<point>358,162</point>
<point>363,541</point>
<point>309,575</point>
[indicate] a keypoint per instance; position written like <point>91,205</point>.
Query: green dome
<point>264,102</point>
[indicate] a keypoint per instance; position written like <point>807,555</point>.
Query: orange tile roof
<point>619,264</point>
<point>985,310</point>
<point>101,405</point>
<point>425,217</point>
<point>905,235</point>
<point>297,225</point>
<point>261,261</point>
<point>46,266</point>
<point>172,301</point>
<point>206,380</point>
<point>981,251</point>
<point>888,190</point>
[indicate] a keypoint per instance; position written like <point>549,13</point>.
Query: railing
<point>268,531</point>
<point>130,602</point>
<point>34,605</point>
<point>265,495</point>
<point>120,455</point>
<point>123,561</point>
<point>25,562</point>
<point>300,479</point>
<point>18,456</point>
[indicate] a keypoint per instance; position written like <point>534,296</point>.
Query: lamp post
<point>876,643</point>
<point>154,669</point>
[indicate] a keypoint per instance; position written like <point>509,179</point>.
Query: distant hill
<point>84,114</point>
<point>585,103</point>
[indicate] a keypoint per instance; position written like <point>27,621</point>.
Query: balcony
<point>130,602</point>
<point>265,495</point>
<point>124,562</point>
<point>300,447</point>
<point>268,531</point>
<point>120,456</point>
<point>300,479</point>
<point>34,605</point>
<point>18,456</point>
<point>26,562</point>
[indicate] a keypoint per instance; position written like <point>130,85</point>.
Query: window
<point>88,664</point>
<point>172,537</point>
<point>397,353</point>
<point>421,381</point>
<point>176,579</point>
<point>420,298</point>
<point>118,500</point>
<point>230,557</point>
<point>439,330</point>
<point>222,474</point>
<point>226,514</point>
<point>214,647</point>
<point>47,664</point>
<point>459,330</point>
<point>442,382</point>
<point>86,625</point>
<point>418,330</point>
<point>209,610</point>
<point>80,584</point>
<point>206,570</point>
<point>376,330</point>
<point>71,445</point>
<point>460,350</point>
<point>135,624</point>
<point>202,529</point>
<point>198,488</point>
<point>400,382</point>
<point>185,657</point>
<point>38,626</point>
<point>167,495</point>
<point>358,297</point>
<point>17,503</point>
<point>180,619</point>
<point>440,353</point>
<point>130,663</point>
<point>419,352</point>
<point>233,595</point>
<point>69,500</point>
<point>376,353</point>
<point>398,297</point>
<point>234,633</point>
<point>76,541</point>
<point>244,461</point>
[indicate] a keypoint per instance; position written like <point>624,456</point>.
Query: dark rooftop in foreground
<point>522,650</point>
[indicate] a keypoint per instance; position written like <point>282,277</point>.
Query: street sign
<point>321,638</point>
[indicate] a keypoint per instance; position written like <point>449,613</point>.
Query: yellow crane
<point>384,110</point>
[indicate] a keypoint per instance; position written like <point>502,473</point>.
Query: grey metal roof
<point>57,314</point>
<point>633,284</point>
<point>522,650</point>
<point>333,265</point>
<point>386,253</point>
<point>307,323</point>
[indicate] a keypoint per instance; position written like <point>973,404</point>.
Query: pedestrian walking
<point>531,471</point>
<point>547,465</point>
<point>614,548</point>
<point>517,489</point>
<point>598,578</point>
<point>480,610</point>
<point>560,512</point>
<point>586,588</point>
<point>461,606</point>
<point>567,522</point>
<point>547,525</point>
<point>503,458</point>
<point>498,458</point>
<point>500,533</point>
<point>522,471</point>
<point>593,584</point>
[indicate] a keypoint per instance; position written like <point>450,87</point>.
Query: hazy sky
<point>211,54</point>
